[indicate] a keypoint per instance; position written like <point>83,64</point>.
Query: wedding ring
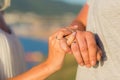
<point>57,38</point>
<point>74,41</point>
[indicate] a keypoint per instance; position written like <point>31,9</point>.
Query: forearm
<point>40,72</point>
<point>81,19</point>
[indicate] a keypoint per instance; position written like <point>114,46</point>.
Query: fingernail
<point>93,63</point>
<point>88,65</point>
<point>82,64</point>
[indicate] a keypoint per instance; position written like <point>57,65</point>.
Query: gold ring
<point>57,38</point>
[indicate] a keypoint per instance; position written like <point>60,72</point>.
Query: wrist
<point>79,24</point>
<point>53,65</point>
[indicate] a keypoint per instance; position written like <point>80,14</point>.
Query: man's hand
<point>85,49</point>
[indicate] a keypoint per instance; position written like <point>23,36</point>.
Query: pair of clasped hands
<point>71,40</point>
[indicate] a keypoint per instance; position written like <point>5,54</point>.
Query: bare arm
<point>85,51</point>
<point>57,49</point>
<point>81,19</point>
<point>39,72</point>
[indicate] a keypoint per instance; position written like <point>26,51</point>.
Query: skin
<point>55,57</point>
<point>80,42</point>
<point>85,51</point>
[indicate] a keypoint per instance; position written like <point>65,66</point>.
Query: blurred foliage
<point>44,7</point>
<point>68,72</point>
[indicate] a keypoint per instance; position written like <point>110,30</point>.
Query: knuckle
<point>85,56</point>
<point>93,46</point>
<point>80,35</point>
<point>93,56</point>
<point>83,49</point>
<point>79,32</point>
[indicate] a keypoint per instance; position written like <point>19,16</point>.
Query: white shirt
<point>104,20</point>
<point>12,61</point>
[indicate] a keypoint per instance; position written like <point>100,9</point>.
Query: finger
<point>83,48</point>
<point>99,54</point>
<point>70,38</point>
<point>92,47</point>
<point>76,53</point>
<point>64,45</point>
<point>62,33</point>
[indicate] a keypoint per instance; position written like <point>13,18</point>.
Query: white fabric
<point>11,56</point>
<point>89,2</point>
<point>104,20</point>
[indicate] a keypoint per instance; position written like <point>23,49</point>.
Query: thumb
<point>70,38</point>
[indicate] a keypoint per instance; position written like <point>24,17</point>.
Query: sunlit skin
<point>84,48</point>
<point>57,51</point>
<point>73,39</point>
<point>85,51</point>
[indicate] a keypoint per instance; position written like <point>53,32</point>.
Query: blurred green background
<point>34,21</point>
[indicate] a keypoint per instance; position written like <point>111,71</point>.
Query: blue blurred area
<point>33,45</point>
<point>74,1</point>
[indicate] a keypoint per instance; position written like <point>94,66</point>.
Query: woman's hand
<point>59,46</point>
